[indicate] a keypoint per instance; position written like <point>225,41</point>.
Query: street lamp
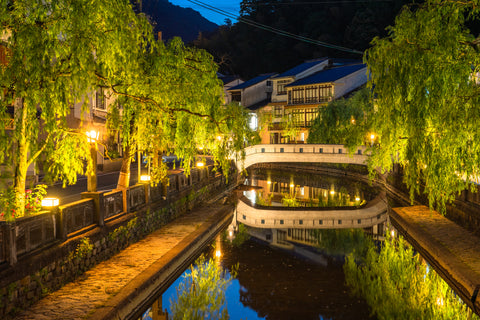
<point>145,178</point>
<point>92,137</point>
<point>50,202</point>
<point>372,138</point>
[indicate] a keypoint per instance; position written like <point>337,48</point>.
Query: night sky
<point>230,6</point>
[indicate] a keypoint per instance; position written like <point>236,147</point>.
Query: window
<point>237,96</point>
<point>281,221</point>
<point>281,86</point>
<point>310,116</point>
<point>263,221</point>
<point>359,221</point>
<point>339,221</point>
<point>320,221</point>
<point>244,217</point>
<point>297,96</point>
<point>311,94</point>
<point>100,100</point>
<point>300,221</point>
<point>298,117</point>
<point>278,112</point>
<point>325,93</point>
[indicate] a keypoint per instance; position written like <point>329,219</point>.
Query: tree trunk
<point>124,177</point>
<point>20,158</point>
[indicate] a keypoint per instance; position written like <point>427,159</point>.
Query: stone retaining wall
<point>48,268</point>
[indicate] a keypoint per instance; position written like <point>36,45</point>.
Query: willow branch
<point>39,151</point>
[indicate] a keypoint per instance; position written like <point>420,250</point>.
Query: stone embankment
<point>115,288</point>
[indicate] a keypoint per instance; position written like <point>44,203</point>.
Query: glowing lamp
<point>357,199</point>
<point>50,202</point>
<point>332,192</point>
<point>145,178</point>
<point>92,135</point>
<point>292,185</point>
<point>218,253</point>
<point>200,164</point>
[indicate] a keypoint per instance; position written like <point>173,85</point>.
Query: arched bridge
<point>323,153</point>
<point>374,213</point>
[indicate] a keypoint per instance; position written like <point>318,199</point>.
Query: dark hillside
<point>249,50</point>
<point>173,20</point>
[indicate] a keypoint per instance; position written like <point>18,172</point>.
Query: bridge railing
<point>302,148</point>
<point>326,153</point>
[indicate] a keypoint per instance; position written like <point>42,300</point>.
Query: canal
<point>276,281</point>
<point>289,272</point>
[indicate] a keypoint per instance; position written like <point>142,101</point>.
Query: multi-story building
<point>253,94</point>
<point>298,93</point>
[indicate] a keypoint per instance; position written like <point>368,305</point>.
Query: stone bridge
<point>372,214</point>
<point>301,153</point>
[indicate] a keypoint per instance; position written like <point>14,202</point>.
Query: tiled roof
<point>328,75</point>
<point>252,82</point>
<point>227,79</point>
<point>300,68</point>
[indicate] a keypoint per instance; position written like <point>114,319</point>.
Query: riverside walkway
<point>114,288</point>
<point>451,250</point>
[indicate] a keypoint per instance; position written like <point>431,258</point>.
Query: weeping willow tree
<point>55,53</point>
<point>427,98</point>
<point>201,294</point>
<point>398,284</point>
<point>422,102</point>
<point>344,121</point>
<point>176,107</point>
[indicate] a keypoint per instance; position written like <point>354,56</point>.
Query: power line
<point>274,30</point>
<point>319,2</point>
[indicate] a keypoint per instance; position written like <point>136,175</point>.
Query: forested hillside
<point>248,50</point>
<point>173,20</point>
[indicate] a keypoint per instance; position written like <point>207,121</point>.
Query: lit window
<point>99,102</point>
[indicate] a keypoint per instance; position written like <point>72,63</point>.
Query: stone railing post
<point>60,223</point>
<point>99,204</point>
<point>11,247</point>
<point>147,193</point>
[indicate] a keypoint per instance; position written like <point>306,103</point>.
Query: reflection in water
<point>274,283</point>
<point>408,288</point>
<point>271,283</point>
<point>293,189</point>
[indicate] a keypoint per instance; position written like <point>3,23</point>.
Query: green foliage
<point>176,107</point>
<point>290,200</point>
<point>32,199</point>
<point>427,101</point>
<point>398,284</point>
<point>84,248</point>
<point>201,294</point>
<point>57,53</point>
<point>260,200</point>
<point>241,236</point>
<point>342,241</point>
<point>344,121</point>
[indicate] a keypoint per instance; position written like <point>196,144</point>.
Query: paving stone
<point>76,300</point>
